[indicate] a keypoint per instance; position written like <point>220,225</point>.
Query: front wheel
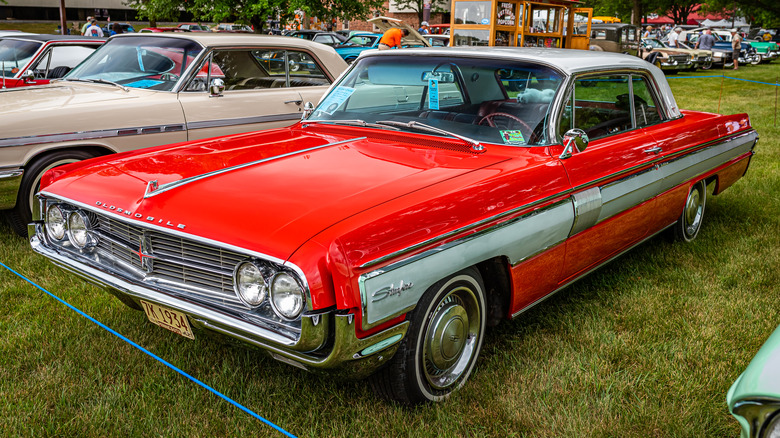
<point>757,59</point>
<point>441,348</point>
<point>21,214</point>
<point>689,222</point>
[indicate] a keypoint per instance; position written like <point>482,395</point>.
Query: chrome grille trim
<point>179,265</point>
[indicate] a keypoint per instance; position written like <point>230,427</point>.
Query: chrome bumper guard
<point>343,354</point>
<point>10,180</point>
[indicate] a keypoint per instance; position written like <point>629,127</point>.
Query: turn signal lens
<point>250,286</point>
<point>286,296</point>
<point>55,223</point>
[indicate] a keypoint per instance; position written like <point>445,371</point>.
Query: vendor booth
<point>555,23</point>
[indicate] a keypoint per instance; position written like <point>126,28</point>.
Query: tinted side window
<point>601,105</point>
<point>646,111</point>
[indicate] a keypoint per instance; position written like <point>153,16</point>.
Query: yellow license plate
<point>168,319</point>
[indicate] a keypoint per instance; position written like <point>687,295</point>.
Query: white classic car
<point>141,90</point>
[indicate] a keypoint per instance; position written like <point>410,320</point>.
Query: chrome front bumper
<point>343,353</point>
<point>10,180</point>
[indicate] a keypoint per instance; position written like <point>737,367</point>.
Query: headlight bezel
<point>50,227</point>
<point>237,288</point>
<point>88,241</point>
<point>300,296</point>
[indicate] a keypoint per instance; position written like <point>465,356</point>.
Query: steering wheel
<point>489,119</point>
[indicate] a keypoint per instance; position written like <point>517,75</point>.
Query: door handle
<point>656,150</point>
<point>297,102</point>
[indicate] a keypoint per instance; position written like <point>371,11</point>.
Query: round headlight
<point>55,223</point>
<point>286,296</point>
<point>78,229</point>
<point>251,287</point>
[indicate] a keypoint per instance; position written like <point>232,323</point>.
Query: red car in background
<point>37,59</point>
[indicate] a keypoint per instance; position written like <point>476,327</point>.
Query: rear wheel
<point>757,59</point>
<point>442,345</point>
<point>689,222</point>
<point>21,214</point>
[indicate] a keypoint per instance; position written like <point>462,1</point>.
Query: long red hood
<point>265,193</point>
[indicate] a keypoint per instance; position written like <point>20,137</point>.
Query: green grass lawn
<point>645,347</point>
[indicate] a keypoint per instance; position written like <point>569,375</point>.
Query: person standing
<point>706,40</point>
<point>423,30</point>
<point>648,33</point>
<point>86,25</point>
<point>736,46</point>
<point>673,36</point>
<point>94,30</point>
<point>392,38</point>
<point>115,29</point>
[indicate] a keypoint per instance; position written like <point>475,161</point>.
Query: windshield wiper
<point>475,145</point>
<point>97,81</point>
<point>354,122</point>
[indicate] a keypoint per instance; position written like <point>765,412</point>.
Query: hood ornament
<point>150,187</point>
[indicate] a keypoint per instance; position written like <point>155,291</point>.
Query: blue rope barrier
<point>722,76</point>
<point>163,361</point>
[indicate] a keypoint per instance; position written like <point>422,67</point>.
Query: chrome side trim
<point>587,207</point>
<point>396,288</point>
<point>464,229</point>
<point>243,121</point>
<point>10,180</point>
<point>174,184</point>
<point>89,135</point>
<point>528,307</point>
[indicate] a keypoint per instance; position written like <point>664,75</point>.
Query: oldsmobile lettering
<point>389,291</point>
<point>139,215</point>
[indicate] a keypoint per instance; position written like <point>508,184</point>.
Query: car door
<point>263,88</point>
<point>614,179</point>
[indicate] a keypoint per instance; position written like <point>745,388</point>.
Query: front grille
<point>177,265</point>
<point>680,59</point>
<point>204,270</point>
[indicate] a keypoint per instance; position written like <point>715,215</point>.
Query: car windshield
<point>15,54</point>
<point>490,100</point>
<point>139,62</point>
<point>361,40</point>
<point>654,43</point>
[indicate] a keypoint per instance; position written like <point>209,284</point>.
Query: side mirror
<point>574,138</point>
<point>308,108</point>
<point>28,77</point>
<point>216,87</point>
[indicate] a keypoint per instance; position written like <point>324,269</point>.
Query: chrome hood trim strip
<point>174,184</point>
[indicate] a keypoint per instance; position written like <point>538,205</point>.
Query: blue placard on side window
<point>433,94</point>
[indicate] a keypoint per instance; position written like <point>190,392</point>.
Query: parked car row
<point>625,38</point>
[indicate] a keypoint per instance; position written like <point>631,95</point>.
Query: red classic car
<point>431,194</point>
<point>37,59</point>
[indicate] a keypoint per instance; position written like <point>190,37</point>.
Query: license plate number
<point>168,319</point>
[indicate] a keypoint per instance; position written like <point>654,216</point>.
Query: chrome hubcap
<point>451,338</point>
<point>694,208</point>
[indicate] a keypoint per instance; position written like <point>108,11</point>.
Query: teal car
<point>754,398</point>
<point>354,45</point>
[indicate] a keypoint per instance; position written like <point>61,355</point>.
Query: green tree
<point>157,10</point>
<point>417,6</point>
<point>252,12</point>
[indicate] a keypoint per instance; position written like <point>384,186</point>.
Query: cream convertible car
<point>146,90</point>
